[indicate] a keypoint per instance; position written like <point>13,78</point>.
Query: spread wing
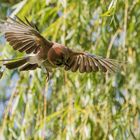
<point>85,62</point>
<point>22,36</point>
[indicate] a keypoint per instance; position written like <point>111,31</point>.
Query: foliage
<point>76,106</point>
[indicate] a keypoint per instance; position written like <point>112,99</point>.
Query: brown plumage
<point>25,37</point>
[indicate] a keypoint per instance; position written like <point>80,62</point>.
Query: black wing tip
<point>17,19</point>
<point>110,65</point>
<point>31,24</point>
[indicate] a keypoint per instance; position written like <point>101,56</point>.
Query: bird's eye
<point>59,62</point>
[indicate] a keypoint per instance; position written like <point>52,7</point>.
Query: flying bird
<point>24,36</point>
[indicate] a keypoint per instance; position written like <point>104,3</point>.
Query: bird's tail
<point>21,63</point>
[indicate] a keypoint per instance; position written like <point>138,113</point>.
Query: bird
<point>24,36</point>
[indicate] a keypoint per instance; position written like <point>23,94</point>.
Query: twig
<point>8,107</point>
<point>125,23</point>
<point>112,41</point>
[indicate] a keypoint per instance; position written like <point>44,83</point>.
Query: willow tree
<point>73,105</point>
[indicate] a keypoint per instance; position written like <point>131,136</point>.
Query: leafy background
<point>75,106</point>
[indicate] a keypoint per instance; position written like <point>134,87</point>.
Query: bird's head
<point>58,55</point>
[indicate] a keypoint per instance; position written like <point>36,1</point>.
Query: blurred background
<point>74,106</point>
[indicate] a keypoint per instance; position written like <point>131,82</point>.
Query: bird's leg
<point>46,72</point>
<point>48,75</point>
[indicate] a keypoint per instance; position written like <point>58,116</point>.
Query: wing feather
<point>85,62</point>
<point>23,36</point>
<point>76,65</point>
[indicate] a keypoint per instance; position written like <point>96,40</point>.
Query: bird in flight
<point>24,36</point>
